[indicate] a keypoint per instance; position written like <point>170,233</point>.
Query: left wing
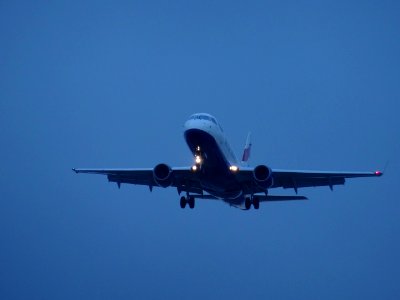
<point>298,179</point>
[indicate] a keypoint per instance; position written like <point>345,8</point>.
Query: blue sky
<point>110,84</point>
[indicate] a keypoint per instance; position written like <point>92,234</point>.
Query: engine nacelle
<point>263,176</point>
<point>162,175</point>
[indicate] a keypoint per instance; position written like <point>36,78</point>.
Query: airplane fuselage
<point>206,139</point>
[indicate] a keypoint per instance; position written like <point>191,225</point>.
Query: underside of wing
<point>181,178</point>
<point>298,179</point>
<point>132,176</point>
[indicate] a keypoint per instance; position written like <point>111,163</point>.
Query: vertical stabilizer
<point>246,151</point>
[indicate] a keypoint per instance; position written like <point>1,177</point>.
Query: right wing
<point>134,176</point>
<point>183,178</point>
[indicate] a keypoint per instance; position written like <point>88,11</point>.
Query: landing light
<point>198,159</point>
<point>234,168</point>
<point>194,168</point>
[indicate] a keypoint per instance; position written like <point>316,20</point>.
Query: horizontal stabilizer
<point>281,198</point>
<point>262,198</point>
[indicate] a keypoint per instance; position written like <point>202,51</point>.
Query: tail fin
<point>247,149</point>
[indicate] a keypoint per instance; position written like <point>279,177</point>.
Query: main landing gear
<point>252,200</point>
<point>187,200</point>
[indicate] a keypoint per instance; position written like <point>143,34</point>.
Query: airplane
<point>217,174</point>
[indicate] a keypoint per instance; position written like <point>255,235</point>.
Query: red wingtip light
<point>378,173</point>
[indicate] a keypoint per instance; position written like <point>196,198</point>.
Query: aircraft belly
<point>224,188</point>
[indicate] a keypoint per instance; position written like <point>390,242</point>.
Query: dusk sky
<point>110,84</point>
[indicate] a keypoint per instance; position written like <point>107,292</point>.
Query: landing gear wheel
<point>256,203</point>
<point>247,203</point>
<point>191,202</point>
<point>183,202</point>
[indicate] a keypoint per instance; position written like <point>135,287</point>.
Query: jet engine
<point>263,176</point>
<point>162,175</point>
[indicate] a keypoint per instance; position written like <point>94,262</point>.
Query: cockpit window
<point>204,117</point>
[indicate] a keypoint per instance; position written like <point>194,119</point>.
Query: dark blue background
<point>110,84</point>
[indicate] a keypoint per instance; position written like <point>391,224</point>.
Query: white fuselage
<point>210,125</point>
<point>206,139</point>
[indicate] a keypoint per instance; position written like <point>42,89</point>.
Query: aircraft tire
<point>247,203</point>
<point>256,203</point>
<point>183,202</point>
<point>191,202</point>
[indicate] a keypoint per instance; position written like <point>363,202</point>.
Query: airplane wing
<point>187,181</point>
<point>298,179</point>
<point>135,176</point>
<point>183,178</point>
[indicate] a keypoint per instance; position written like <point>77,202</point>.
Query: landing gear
<point>187,200</point>
<point>183,202</point>
<point>191,202</point>
<point>251,200</point>
<point>247,203</point>
<point>256,203</point>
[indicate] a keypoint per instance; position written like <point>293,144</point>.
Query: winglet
<point>247,149</point>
